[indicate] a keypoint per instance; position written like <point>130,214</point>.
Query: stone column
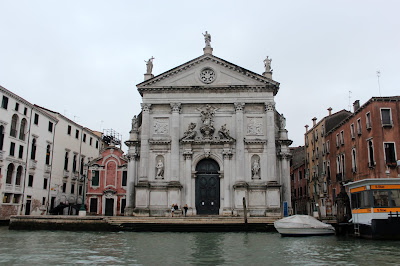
<point>285,178</point>
<point>271,148</point>
<point>132,179</point>
<point>239,107</point>
<point>175,110</point>
<point>228,185</point>
<point>144,146</point>
<point>188,177</point>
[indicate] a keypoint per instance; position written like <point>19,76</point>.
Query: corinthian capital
<point>175,107</point>
<point>239,107</point>
<point>146,107</point>
<point>270,106</point>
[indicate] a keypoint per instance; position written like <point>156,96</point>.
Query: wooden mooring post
<point>244,210</point>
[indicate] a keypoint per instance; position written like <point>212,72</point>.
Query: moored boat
<point>302,225</point>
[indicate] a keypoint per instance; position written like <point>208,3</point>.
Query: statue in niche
<point>224,133</point>
<point>267,64</point>
<point>207,38</point>
<point>149,65</point>
<point>134,123</point>
<point>190,133</point>
<point>160,169</point>
<point>282,121</point>
<point>255,168</point>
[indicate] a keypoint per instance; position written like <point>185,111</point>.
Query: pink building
<point>107,181</point>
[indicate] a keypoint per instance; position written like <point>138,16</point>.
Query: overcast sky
<point>83,59</point>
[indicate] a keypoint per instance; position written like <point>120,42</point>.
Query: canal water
<point>146,248</point>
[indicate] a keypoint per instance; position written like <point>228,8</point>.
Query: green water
<point>132,248</point>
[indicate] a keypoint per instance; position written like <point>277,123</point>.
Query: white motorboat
<point>302,225</point>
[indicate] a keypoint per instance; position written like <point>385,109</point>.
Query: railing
<point>9,187</point>
<point>47,168</point>
<point>2,153</point>
<point>75,175</point>
<point>33,164</point>
<point>18,188</point>
<point>66,173</point>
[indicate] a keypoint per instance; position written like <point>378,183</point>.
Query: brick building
<point>298,182</point>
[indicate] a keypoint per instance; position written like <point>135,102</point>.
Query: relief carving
<point>161,126</point>
<point>255,127</point>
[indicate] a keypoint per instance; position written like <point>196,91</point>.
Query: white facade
<point>208,136</point>
<point>74,146</point>
<point>23,144</point>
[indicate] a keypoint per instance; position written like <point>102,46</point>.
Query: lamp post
<point>82,211</point>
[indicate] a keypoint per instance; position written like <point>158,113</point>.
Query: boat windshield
<point>375,198</point>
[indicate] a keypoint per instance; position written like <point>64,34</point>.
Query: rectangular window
<point>25,111</point>
<point>368,120</point>
<point>327,147</point>
<point>7,198</point>
<point>381,198</point>
<point>36,120</point>
<point>21,151</point>
<point>44,201</point>
<point>124,178</point>
<point>69,130</point>
<point>390,154</point>
<point>45,183</point>
<point>12,148</point>
<point>30,181</point>
<point>337,140</point>
<point>359,126</point>
<point>90,141</point>
<point>76,134</point>
<point>353,160</point>
<point>95,178</point>
<point>93,205</point>
<point>323,148</point>
<point>72,188</point>
<point>50,126</point>
<point>80,190</point>
<point>84,137</point>
<point>395,198</point>
<point>352,131</point>
<point>386,117</point>
<point>4,102</point>
<point>342,137</point>
<point>16,106</point>
<point>97,144</point>
<point>371,160</point>
<point>64,187</point>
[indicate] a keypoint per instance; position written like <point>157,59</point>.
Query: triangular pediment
<point>208,72</point>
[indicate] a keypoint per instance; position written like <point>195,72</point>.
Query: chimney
<point>330,111</point>
<point>356,105</point>
<point>306,126</point>
<point>314,121</point>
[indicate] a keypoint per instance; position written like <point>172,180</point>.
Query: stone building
<point>208,136</point>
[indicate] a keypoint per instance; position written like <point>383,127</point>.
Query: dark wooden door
<point>207,187</point>
<point>109,207</point>
<point>28,207</point>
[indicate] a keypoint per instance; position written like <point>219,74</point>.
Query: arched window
<point>66,161</point>
<point>19,175</point>
<point>1,137</point>
<point>74,164</point>
<point>22,129</point>
<point>33,149</point>
<point>48,155</point>
<point>14,122</point>
<point>10,172</point>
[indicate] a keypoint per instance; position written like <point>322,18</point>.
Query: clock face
<point>207,75</point>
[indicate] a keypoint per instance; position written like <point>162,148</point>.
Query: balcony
<point>33,164</point>
<point>2,155</point>
<point>75,175</point>
<point>66,173</point>
<point>387,123</point>
<point>47,168</point>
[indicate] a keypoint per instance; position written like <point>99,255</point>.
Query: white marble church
<point>208,136</point>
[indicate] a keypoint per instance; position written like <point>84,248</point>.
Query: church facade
<point>208,136</point>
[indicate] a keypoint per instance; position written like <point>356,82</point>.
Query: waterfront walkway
<point>157,224</point>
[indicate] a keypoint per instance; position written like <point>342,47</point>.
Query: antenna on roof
<point>350,100</point>
<point>378,74</point>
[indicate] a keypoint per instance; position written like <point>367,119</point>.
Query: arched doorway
<point>207,187</point>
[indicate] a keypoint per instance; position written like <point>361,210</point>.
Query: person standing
<point>186,209</point>
<point>172,210</point>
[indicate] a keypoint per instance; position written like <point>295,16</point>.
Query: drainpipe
<point>51,169</point>
<point>26,163</point>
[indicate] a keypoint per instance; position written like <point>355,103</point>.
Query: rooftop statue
<point>207,38</point>
<point>267,64</point>
<point>149,65</point>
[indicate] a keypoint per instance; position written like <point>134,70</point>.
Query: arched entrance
<point>207,187</point>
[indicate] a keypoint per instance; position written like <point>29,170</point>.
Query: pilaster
<point>144,147</point>
<point>271,146</point>
<point>175,110</point>
<point>239,109</point>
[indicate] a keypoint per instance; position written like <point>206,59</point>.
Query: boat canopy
<point>301,221</point>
